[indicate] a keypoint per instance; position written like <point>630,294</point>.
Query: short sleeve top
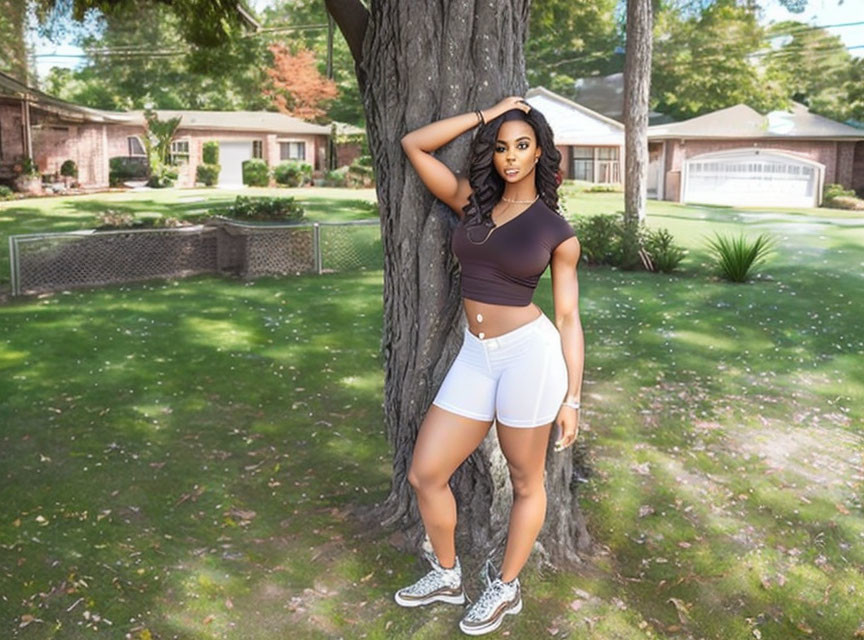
<point>506,268</point>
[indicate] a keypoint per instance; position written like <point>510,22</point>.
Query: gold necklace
<point>520,201</point>
<point>477,244</point>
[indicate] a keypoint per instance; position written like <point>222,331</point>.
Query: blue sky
<point>822,12</point>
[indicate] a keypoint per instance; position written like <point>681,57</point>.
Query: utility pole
<point>331,146</point>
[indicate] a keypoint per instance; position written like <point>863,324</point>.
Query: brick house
<point>734,156</point>
<point>591,144</point>
<point>739,157</point>
<point>51,131</point>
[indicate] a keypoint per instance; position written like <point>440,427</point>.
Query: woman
<point>515,366</point>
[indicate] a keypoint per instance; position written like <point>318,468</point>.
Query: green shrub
<point>256,173</point>
<point>208,174</point>
<point>281,209</point>
<point>5,192</point>
<point>603,188</point>
<point>836,197</point>
<point>628,244</point>
<point>69,169</point>
<point>834,190</point>
<point>613,240</point>
<point>112,219</point>
<point>735,257</point>
<point>597,237</point>
<point>847,202</point>
<point>292,173</point>
<point>123,168</point>
<point>162,177</point>
<point>336,177</point>
<point>361,172</point>
<point>663,254</point>
<point>27,167</point>
<point>210,152</point>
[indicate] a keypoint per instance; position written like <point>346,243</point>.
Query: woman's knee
<point>425,477</point>
<point>527,487</point>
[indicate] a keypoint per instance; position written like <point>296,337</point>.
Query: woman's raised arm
<point>436,175</point>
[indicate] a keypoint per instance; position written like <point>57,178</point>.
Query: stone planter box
<point>29,184</point>
<point>56,261</point>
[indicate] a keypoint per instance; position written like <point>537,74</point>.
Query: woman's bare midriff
<point>497,319</point>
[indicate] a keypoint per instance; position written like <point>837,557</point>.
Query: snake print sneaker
<point>497,600</point>
<point>439,585</point>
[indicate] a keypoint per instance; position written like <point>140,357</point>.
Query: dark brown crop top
<point>506,268</point>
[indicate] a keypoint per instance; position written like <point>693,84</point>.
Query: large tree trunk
<point>637,88</point>
<point>422,61</point>
<point>13,57</point>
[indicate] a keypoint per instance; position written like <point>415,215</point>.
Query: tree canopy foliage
<point>707,55</point>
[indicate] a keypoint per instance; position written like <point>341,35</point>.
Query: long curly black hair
<point>487,186</point>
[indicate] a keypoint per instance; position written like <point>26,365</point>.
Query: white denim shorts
<point>518,378</point>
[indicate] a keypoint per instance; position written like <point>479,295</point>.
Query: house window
<point>135,146</point>
<point>608,165</point>
<point>292,150</point>
<point>582,163</point>
<point>257,149</point>
<point>595,164</point>
<point>607,153</point>
<point>180,152</point>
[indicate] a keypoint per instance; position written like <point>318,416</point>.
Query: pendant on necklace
<point>479,317</point>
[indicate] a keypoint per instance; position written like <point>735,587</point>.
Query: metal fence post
<point>13,264</point>
<point>319,262</point>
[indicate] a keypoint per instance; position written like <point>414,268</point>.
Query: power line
<point>142,50</point>
<point>794,31</point>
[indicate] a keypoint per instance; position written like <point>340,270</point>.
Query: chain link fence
<point>44,262</point>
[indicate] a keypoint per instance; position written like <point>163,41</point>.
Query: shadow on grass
<point>189,450</point>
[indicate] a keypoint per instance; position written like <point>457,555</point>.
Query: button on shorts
<point>518,378</point>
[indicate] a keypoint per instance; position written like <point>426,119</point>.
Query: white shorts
<point>518,378</point>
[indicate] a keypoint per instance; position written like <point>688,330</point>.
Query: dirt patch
<point>822,456</point>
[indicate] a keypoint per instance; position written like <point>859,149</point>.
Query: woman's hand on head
<point>510,102</point>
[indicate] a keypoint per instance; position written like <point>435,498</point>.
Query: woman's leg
<point>525,450</point>
<point>444,441</point>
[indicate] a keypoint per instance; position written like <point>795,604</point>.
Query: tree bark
<point>13,60</point>
<point>421,62</point>
<point>637,87</point>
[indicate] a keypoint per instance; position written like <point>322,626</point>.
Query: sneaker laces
<point>494,588</point>
<point>431,578</point>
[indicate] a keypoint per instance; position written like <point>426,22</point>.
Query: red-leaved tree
<point>296,86</point>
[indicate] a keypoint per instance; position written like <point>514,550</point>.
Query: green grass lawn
<point>177,456</point>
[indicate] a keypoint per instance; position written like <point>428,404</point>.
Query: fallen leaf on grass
<point>26,619</point>
<point>642,469</point>
<point>196,491</point>
<point>681,608</point>
<point>240,513</point>
<point>803,628</point>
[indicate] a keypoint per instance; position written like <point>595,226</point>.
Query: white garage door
<point>231,157</point>
<point>752,177</point>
